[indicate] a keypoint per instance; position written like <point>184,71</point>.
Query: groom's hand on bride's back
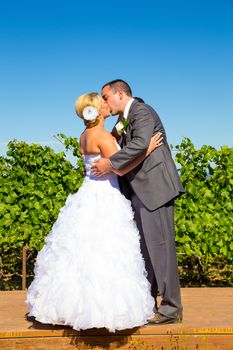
<point>101,167</point>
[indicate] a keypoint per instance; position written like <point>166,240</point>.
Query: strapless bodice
<point>89,161</point>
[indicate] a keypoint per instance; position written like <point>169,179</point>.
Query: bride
<point>90,272</point>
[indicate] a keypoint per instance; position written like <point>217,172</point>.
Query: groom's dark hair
<point>119,84</point>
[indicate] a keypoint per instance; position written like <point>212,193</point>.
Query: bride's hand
<point>156,141</point>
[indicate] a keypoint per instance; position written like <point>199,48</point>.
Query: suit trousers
<point>159,252</point>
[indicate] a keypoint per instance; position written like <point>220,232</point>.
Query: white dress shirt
<point>127,107</point>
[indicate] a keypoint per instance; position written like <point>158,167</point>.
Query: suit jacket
<point>155,180</point>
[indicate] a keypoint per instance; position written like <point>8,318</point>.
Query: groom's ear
<point>120,94</point>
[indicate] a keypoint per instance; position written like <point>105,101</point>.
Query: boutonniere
<point>121,127</point>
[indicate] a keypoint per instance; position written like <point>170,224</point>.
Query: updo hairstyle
<point>92,99</point>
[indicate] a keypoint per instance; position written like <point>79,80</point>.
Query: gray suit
<point>152,187</point>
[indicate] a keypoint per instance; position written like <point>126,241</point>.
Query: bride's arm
<point>108,147</point>
<point>155,142</point>
<point>107,144</point>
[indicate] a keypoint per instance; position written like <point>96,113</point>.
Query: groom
<point>152,187</point>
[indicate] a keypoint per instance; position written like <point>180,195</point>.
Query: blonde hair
<point>91,99</point>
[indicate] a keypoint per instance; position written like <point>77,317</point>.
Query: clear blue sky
<point>176,55</point>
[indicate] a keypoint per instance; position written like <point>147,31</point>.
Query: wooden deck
<point>207,325</point>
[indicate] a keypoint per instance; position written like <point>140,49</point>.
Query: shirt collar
<point>127,107</point>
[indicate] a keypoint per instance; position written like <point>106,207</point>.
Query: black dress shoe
<point>159,318</point>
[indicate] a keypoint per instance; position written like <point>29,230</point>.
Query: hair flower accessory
<point>90,113</point>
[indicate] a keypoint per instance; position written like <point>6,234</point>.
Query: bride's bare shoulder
<point>103,134</point>
<point>107,143</point>
<point>96,140</point>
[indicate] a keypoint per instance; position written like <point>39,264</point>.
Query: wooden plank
<point>204,308</point>
<point>207,325</point>
<point>214,342</point>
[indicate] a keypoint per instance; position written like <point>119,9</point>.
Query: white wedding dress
<point>90,272</point>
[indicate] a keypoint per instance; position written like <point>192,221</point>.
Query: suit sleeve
<point>142,126</point>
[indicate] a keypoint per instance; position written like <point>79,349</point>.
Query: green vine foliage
<point>204,214</point>
<point>35,182</point>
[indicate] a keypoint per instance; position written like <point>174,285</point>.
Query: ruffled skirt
<point>90,272</point>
